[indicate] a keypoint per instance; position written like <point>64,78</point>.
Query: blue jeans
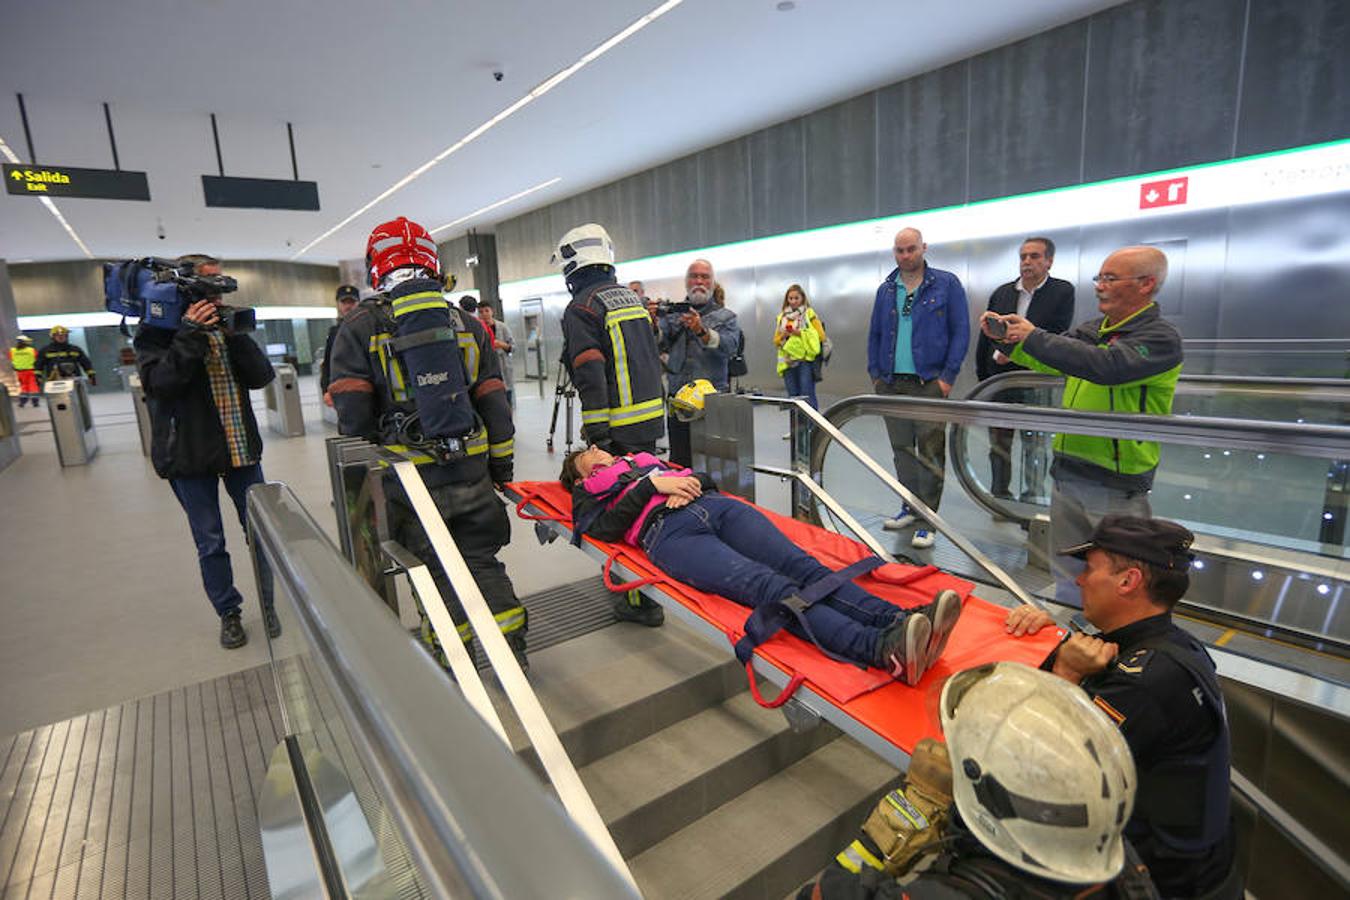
<point>200,499</point>
<point>800,381</point>
<point>1077,504</point>
<point>727,547</point>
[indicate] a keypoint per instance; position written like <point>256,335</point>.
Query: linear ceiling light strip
<point>540,90</point>
<point>491,206</point>
<point>47,202</point>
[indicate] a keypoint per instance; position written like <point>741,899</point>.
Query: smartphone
<point>997,328</point>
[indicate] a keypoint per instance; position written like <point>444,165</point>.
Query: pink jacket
<point>601,480</point>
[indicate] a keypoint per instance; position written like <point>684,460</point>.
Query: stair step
<point>774,836</point>
<point>650,790</point>
<point>613,687</point>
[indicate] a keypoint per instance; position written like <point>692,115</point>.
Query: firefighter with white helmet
<point>1028,798</point>
<point>608,347</point>
<point>418,376</point>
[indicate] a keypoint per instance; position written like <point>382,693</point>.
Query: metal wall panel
<point>922,147</point>
<point>637,195</point>
<point>724,191</point>
<point>1295,75</point>
<point>1026,114</point>
<point>679,220</point>
<point>841,162</point>
<point>1162,85</point>
<point>777,179</point>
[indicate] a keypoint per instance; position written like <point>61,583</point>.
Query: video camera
<point>673,307</point>
<point>158,291</point>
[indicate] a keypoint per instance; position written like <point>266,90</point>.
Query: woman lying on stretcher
<point>723,546</point>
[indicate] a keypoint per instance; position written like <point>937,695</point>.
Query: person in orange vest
<point>23,358</point>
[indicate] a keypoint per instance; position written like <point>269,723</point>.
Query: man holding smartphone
<point>1047,303</point>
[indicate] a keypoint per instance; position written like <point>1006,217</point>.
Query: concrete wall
<point>64,287</point>
<point>1144,86</point>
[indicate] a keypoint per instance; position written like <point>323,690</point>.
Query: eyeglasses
<point>1112,279</point>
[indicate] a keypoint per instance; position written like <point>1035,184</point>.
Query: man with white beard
<point>699,342</point>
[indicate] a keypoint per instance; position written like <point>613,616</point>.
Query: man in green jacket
<point>1128,360</point>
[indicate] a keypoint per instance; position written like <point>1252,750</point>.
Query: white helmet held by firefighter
<point>585,245</point>
<point>687,404</point>
<point>1042,777</point>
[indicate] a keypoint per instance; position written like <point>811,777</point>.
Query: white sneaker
<point>903,519</point>
<point>923,539</point>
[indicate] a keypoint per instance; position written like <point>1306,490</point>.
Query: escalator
<point>1256,468</point>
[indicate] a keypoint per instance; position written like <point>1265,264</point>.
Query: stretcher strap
<point>788,690</point>
<point>531,517</point>
<point>768,619</point>
<point>628,585</point>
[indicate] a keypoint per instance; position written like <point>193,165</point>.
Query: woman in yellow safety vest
<point>23,358</point>
<point>802,345</point>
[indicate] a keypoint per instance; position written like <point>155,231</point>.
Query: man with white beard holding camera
<point>700,341</point>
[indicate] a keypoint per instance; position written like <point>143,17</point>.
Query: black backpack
<point>736,366</point>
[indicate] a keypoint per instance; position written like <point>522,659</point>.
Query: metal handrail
<point>463,804</point>
<point>824,426</point>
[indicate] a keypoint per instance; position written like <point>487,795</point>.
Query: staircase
<point>706,794</point>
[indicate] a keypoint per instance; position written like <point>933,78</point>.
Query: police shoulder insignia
<point>1134,662</point>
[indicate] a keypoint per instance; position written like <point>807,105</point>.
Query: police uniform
<point>371,396</point>
<point>1163,694</point>
<point>610,350</point>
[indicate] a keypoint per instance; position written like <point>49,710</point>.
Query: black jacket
<point>1051,308</point>
<point>187,437</point>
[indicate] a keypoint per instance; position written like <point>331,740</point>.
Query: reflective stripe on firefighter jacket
<point>610,350</point>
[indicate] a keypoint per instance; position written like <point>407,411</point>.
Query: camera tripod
<point>564,394</point>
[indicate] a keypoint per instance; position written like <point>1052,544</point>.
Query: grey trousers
<point>1077,504</point>
<point>919,449</point>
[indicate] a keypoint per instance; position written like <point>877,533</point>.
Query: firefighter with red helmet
<point>418,376</point>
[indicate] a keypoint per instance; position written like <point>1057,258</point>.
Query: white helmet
<point>585,245</point>
<point>1042,778</point>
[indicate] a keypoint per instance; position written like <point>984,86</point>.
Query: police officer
<point>347,297</point>
<point>1157,684</point>
<point>1042,785</point>
<point>609,348</point>
<point>62,359</point>
<point>373,392</point>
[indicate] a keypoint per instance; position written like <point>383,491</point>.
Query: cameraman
<point>197,378</point>
<point>700,341</point>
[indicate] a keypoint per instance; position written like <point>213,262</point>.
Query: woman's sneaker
<point>923,538</point>
<point>904,648</point>
<point>943,612</point>
<point>901,520</point>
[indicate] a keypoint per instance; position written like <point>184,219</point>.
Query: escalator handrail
<point>462,802</point>
<point>1329,390</point>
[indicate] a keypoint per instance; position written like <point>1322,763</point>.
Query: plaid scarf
<point>229,399</point>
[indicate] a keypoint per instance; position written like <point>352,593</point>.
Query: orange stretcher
<point>887,716</point>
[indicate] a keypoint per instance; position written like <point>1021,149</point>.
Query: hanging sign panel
<point>260,193</point>
<point>66,181</point>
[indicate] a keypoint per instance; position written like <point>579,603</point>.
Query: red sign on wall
<point>1171,192</point>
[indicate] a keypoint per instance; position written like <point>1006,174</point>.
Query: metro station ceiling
<point>374,91</point>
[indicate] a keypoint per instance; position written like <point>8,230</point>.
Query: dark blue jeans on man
<point>727,547</point>
<point>200,499</point>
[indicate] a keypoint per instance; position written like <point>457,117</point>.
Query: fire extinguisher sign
<point>1170,192</point>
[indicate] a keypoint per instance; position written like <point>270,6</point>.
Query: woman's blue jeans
<point>800,381</point>
<point>727,547</point>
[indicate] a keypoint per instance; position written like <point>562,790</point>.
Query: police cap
<point>1160,542</point>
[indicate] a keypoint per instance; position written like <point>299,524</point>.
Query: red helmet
<point>396,244</point>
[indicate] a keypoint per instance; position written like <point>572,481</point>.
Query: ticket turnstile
<point>138,402</point>
<point>284,415</point>
<point>72,420</point>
